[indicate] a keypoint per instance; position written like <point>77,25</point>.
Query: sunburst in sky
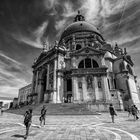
<point>24,23</point>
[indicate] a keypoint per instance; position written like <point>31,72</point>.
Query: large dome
<point>80,26</point>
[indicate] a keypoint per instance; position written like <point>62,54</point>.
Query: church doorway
<point>69,85</point>
<point>68,95</point>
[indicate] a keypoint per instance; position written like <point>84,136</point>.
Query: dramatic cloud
<point>25,24</point>
<point>35,38</point>
<point>12,76</point>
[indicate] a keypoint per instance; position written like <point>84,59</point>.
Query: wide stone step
<point>56,109</point>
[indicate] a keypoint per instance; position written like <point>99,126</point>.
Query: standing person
<point>2,111</point>
<point>129,111</point>
<point>43,115</point>
<point>27,121</point>
<point>112,112</point>
<point>135,112</point>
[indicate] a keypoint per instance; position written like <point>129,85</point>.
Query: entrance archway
<point>68,90</point>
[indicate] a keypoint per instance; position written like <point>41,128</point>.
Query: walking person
<point>135,112</point>
<point>27,121</point>
<point>112,112</point>
<point>43,115</point>
<point>129,111</point>
<point>2,110</point>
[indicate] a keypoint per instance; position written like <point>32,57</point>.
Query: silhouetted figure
<point>135,112</point>
<point>112,112</point>
<point>2,111</point>
<point>27,121</point>
<point>43,115</point>
<point>129,109</point>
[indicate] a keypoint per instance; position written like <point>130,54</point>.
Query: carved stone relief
<point>89,81</point>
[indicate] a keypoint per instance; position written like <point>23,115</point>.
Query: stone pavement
<point>74,127</point>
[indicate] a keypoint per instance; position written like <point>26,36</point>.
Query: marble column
<point>106,93</point>
<point>36,81</point>
<point>75,89</point>
<point>47,82</point>
<point>55,96</point>
<point>39,90</point>
<point>60,88</point>
<point>38,85</point>
<point>46,96</point>
<point>85,96</point>
<point>97,96</point>
<point>80,89</point>
<point>33,82</point>
<point>41,85</point>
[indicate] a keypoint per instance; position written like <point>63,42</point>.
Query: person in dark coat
<point>135,112</point>
<point>27,121</point>
<point>2,110</point>
<point>43,116</point>
<point>112,112</point>
<point>129,109</point>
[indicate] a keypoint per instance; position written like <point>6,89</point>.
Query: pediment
<point>42,55</point>
<point>88,50</point>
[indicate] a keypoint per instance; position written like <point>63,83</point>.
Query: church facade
<point>82,67</point>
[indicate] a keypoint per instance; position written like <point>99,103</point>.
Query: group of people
<point>132,110</point>
<point>28,119</point>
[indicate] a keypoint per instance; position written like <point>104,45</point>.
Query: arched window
<point>94,64</point>
<point>88,63</point>
<point>78,47</point>
<point>81,64</point>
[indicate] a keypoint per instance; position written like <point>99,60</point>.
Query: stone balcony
<point>93,71</point>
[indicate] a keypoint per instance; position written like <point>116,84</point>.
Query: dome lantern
<point>79,25</point>
<point>79,17</point>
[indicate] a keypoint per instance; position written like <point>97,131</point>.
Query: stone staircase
<point>56,109</point>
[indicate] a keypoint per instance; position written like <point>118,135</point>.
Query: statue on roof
<point>56,43</point>
<point>118,50</point>
<point>125,52</point>
<point>45,45</point>
<point>116,45</point>
<point>79,17</point>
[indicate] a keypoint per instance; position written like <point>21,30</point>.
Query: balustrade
<point>89,71</point>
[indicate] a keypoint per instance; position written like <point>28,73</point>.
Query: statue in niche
<point>62,63</point>
<point>80,85</point>
<point>89,82</point>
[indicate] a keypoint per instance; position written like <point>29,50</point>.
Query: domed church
<point>83,68</point>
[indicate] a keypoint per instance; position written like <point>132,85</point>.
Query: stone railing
<point>102,70</point>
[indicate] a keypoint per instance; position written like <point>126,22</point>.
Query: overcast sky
<point>23,23</point>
